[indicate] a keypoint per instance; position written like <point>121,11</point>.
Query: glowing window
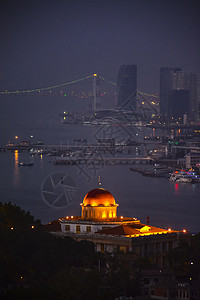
<point>104,214</point>
<point>88,229</point>
<point>78,228</point>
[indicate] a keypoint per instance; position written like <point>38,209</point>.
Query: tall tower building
<point>198,97</point>
<point>166,86</point>
<point>193,109</point>
<point>179,103</point>
<point>187,82</point>
<point>127,86</point>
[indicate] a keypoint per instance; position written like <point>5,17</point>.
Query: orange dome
<point>99,197</point>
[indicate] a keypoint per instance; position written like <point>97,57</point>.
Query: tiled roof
<point>135,229</point>
<point>118,230</point>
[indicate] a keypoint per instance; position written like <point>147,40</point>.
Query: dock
<point>102,161</point>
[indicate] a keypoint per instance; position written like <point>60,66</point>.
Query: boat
<point>23,164</point>
<point>184,179</point>
<point>194,176</point>
<point>184,176</point>
<point>172,177</point>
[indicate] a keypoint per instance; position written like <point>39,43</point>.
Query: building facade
<point>127,86</point>
<point>179,93</point>
<point>166,86</point>
<point>192,160</point>
<point>179,104</point>
<point>188,83</point>
<point>100,224</point>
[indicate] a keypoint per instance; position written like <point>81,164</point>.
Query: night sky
<point>48,42</point>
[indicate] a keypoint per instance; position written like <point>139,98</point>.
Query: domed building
<point>99,204</point>
<point>100,224</point>
<point>99,211</point>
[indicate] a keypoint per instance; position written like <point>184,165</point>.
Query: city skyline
<point>44,43</point>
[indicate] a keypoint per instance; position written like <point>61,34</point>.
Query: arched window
<point>103,214</point>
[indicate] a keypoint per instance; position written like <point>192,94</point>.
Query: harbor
<point>103,161</point>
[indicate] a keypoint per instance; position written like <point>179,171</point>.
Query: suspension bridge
<point>145,102</point>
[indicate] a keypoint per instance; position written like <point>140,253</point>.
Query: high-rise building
<point>127,86</point>
<point>179,103</point>
<point>179,92</point>
<point>187,82</point>
<point>193,97</point>
<point>198,97</point>
<point>166,86</point>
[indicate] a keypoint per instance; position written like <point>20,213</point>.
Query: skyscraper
<point>166,86</point>
<point>179,91</point>
<point>127,86</point>
<point>198,97</point>
<point>179,103</point>
<point>187,82</point>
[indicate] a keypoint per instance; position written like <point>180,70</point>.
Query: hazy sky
<point>44,42</point>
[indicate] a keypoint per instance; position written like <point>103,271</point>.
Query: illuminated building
<point>192,160</point>
<point>99,212</point>
<point>100,224</point>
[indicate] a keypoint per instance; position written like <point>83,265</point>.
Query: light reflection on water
<point>168,204</point>
<point>16,174</point>
<point>176,187</point>
<point>164,202</point>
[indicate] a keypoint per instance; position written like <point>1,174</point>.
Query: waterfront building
<point>179,94</point>
<point>127,87</point>
<point>179,104</point>
<point>185,81</point>
<point>192,160</point>
<point>166,86</point>
<point>198,97</point>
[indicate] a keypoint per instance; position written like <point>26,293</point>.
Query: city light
<point>44,88</point>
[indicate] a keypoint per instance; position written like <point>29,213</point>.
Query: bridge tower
<point>96,92</point>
